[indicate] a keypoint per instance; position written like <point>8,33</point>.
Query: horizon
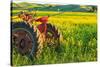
<point>58,2</point>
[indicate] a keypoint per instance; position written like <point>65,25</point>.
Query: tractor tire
<point>54,34</point>
<point>51,38</point>
<point>51,33</point>
<point>24,38</point>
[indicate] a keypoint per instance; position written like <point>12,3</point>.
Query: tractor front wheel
<point>24,38</point>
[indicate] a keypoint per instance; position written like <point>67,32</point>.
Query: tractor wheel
<point>51,38</point>
<point>24,38</point>
<point>53,35</point>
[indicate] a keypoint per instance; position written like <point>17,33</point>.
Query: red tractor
<point>29,39</point>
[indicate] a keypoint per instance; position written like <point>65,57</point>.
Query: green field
<point>79,45</point>
<point>78,42</point>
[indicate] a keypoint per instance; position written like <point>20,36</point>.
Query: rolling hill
<point>49,7</point>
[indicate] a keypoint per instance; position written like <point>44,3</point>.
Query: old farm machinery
<point>30,39</point>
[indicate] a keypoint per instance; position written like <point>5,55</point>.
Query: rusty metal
<point>23,41</point>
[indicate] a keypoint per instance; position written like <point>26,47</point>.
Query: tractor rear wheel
<point>51,38</point>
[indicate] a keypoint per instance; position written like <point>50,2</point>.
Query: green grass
<point>45,13</point>
<point>79,45</point>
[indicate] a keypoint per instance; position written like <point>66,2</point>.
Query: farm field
<point>78,40</point>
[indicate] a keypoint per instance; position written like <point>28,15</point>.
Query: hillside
<point>49,7</point>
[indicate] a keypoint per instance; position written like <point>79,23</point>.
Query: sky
<point>82,2</point>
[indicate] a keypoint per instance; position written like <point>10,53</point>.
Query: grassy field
<point>78,43</point>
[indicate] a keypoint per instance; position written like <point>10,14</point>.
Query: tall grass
<point>78,43</point>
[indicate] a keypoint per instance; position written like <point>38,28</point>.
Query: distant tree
<point>50,6</point>
<point>89,8</point>
<point>93,9</point>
